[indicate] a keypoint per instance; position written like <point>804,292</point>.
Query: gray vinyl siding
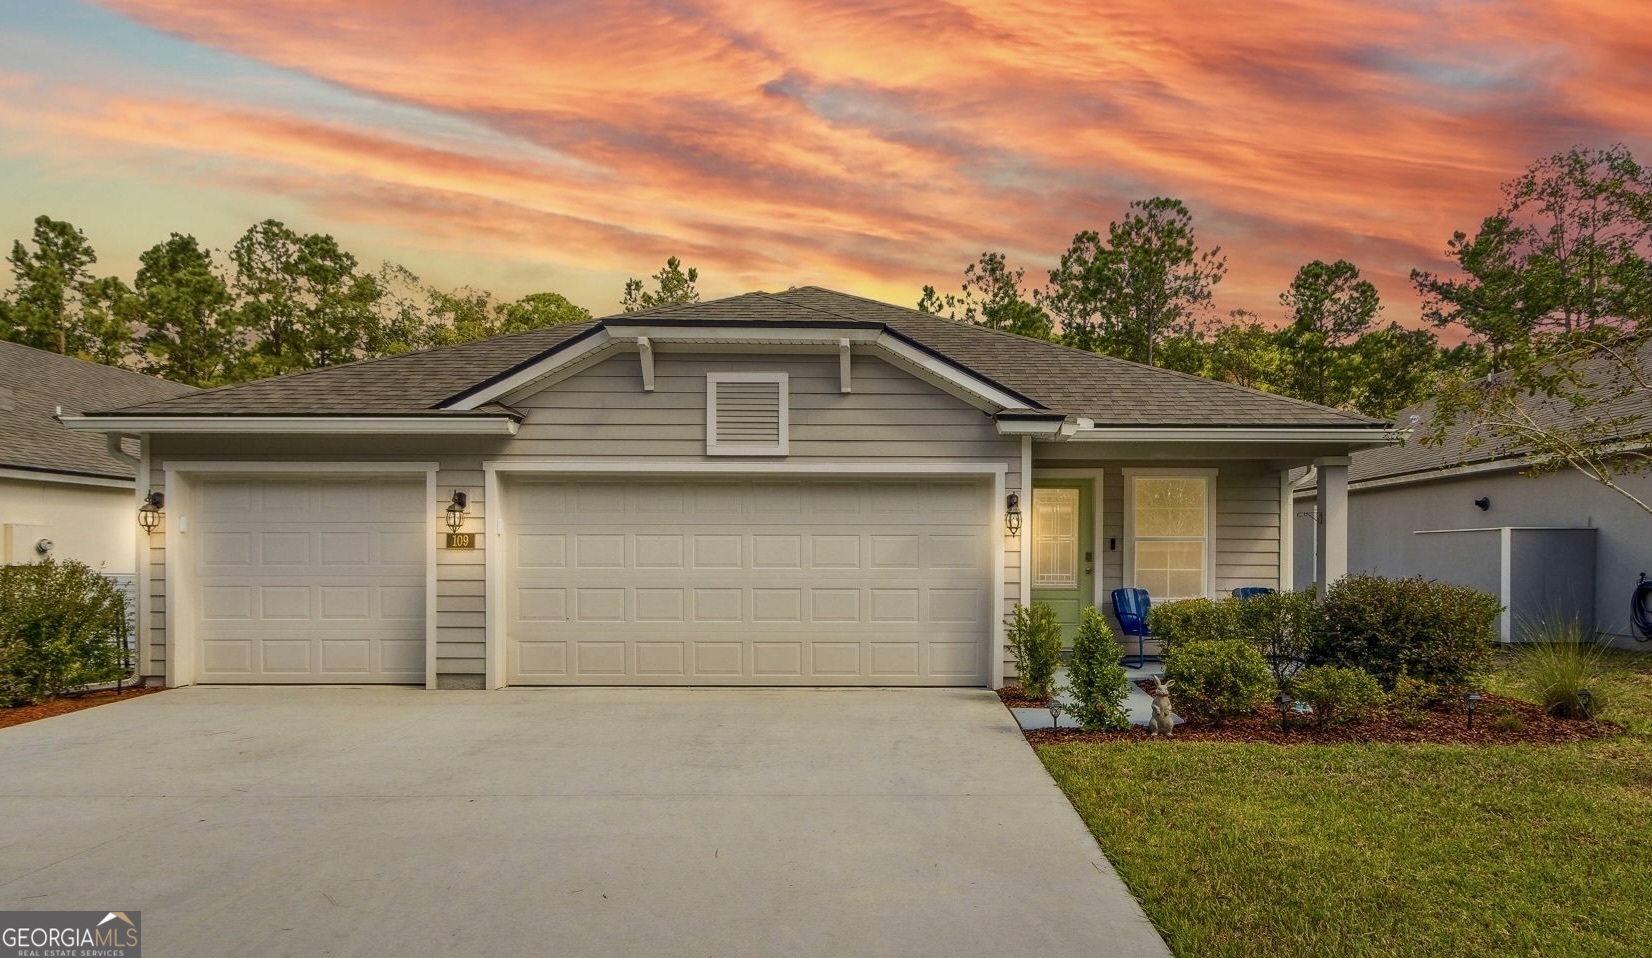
<point>603,414</point>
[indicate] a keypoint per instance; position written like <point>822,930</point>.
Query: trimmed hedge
<point>1437,633</point>
<point>1217,680</point>
<point>62,627</point>
<point>1194,620</point>
<point>1338,695</point>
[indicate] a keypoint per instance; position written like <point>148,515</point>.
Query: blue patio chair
<point>1251,591</point>
<point>1130,607</point>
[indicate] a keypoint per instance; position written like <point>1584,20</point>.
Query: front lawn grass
<point>1384,850</point>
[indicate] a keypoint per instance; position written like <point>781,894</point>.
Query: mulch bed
<point>17,715</point>
<point>1013,697</point>
<point>1442,725</point>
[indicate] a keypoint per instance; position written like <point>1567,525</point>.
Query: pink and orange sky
<point>867,145</point>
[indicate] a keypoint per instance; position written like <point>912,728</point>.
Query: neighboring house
<point>798,488</point>
<point>1553,545</point>
<point>66,494</point>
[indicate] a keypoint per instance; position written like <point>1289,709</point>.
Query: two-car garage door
<point>671,581</point>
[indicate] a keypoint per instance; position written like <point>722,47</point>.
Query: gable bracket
<point>843,366</point>
<point>645,352</point>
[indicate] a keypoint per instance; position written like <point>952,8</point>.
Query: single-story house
<point>67,494</point>
<point>1553,545</point>
<point>796,488</point>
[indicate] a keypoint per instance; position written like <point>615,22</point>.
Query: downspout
<point>112,442</point>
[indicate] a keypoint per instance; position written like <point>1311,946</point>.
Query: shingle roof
<point>1413,456</point>
<point>1110,391</point>
<point>33,383</point>
<point>408,383</point>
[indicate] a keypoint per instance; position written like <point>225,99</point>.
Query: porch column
<point>1331,531</point>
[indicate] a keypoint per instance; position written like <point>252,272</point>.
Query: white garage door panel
<point>748,582</point>
<point>311,580</point>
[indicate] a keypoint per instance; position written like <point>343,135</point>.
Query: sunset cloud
<point>878,144</point>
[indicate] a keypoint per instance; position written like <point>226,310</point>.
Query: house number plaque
<point>461,540</point>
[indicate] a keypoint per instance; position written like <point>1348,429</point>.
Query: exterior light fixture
<point>149,514</point>
<point>1470,701</point>
<point>456,511</point>
<point>1586,701</point>
<point>1055,712</point>
<point>1284,703</point>
<point>1012,514</point>
<point>1483,503</point>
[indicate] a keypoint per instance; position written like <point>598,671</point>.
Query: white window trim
<point>715,448</point>
<point>1130,477</point>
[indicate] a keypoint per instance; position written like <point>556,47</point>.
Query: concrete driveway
<point>363,821</point>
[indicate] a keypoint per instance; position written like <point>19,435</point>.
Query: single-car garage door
<point>615,581</point>
<point>310,580</point>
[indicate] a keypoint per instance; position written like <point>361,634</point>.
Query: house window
<point>746,414</point>
<point>1168,518</point>
<point>1055,538</point>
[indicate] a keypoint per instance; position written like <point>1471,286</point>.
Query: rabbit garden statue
<point>1163,721</point>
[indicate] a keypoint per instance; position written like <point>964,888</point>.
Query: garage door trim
<point>182,643</point>
<point>494,557</point>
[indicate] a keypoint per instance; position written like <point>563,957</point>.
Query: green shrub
<point>1509,722</point>
<point>1217,680</point>
<point>1338,695</point>
<point>1559,662</point>
<point>1281,626</point>
<point>1193,620</point>
<point>1411,698</point>
<point>1439,633</point>
<point>1035,644</point>
<point>62,627</point>
<point>1099,683</point>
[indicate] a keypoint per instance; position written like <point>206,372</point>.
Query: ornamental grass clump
<point>1218,680</point>
<point>1098,680</point>
<point>1035,645</point>
<point>1559,662</point>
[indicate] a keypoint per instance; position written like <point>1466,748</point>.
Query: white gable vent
<point>746,414</point>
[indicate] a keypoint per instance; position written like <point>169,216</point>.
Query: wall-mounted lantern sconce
<point>1484,503</point>
<point>456,511</point>
<point>1012,514</point>
<point>149,514</point>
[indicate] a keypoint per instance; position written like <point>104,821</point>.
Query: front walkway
<point>1137,703</point>
<point>308,821</point>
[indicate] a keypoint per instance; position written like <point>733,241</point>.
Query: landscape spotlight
<point>1470,701</point>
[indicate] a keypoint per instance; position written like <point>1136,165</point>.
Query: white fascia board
<point>787,335</point>
<point>1053,429</point>
<point>305,425</point>
<point>534,372</point>
<point>1373,437</point>
<point>61,478</point>
<point>948,376</point>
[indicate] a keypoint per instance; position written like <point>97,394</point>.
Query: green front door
<point>1063,546</point>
